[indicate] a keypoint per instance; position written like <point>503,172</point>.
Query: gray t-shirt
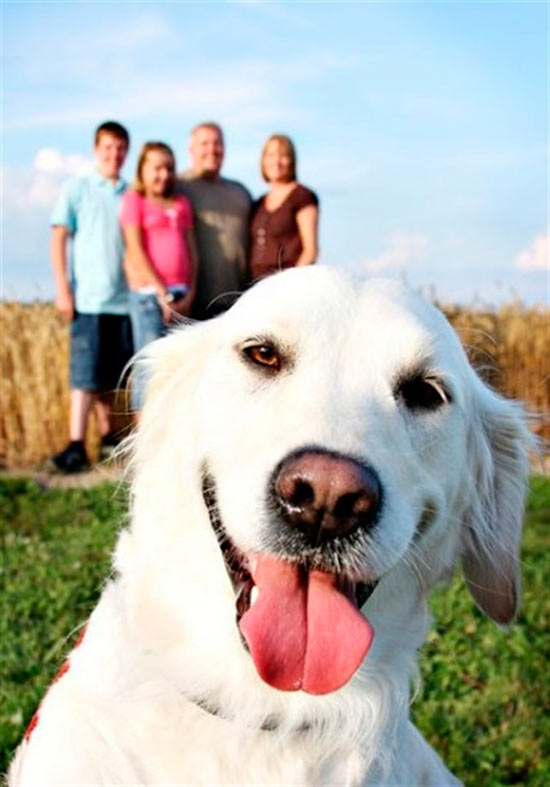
<point>221,209</point>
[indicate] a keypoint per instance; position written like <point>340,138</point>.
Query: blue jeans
<point>147,325</point>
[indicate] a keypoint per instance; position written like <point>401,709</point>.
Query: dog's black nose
<point>325,495</point>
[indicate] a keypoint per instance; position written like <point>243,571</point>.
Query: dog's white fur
<point>164,631</point>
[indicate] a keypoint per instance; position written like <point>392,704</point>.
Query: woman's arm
<point>307,219</point>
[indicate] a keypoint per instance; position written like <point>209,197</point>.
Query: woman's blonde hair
<point>288,147</point>
<point>161,147</point>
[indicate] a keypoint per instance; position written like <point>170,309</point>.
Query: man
<point>91,291</point>
<point>222,210</point>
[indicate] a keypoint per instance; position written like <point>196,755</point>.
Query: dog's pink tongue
<point>303,633</point>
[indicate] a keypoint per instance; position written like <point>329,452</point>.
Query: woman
<point>283,229</point>
<point>161,257</point>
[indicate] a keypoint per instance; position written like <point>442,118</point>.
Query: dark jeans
<point>101,346</point>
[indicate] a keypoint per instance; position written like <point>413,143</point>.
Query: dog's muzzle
<point>300,619</point>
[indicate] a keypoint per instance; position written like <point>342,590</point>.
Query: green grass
<point>486,695</point>
<point>485,699</point>
<point>57,546</point>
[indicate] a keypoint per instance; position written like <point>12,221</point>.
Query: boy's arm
<point>64,299</point>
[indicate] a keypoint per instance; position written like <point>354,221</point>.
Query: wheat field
<point>34,389</point>
<point>510,348</point>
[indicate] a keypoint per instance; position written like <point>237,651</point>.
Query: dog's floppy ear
<point>498,453</point>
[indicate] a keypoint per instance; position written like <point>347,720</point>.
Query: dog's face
<point>338,438</point>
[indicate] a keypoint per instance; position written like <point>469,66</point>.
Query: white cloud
<point>36,190</point>
<point>29,196</point>
<point>50,169</point>
<point>403,250</point>
<point>536,257</point>
<point>51,160</point>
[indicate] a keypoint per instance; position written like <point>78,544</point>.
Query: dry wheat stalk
<point>510,347</point>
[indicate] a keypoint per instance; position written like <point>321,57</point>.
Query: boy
<point>91,291</point>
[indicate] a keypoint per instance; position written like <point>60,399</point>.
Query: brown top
<point>274,238</point>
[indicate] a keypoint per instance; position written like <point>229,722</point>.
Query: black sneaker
<point>72,459</point>
<point>109,442</point>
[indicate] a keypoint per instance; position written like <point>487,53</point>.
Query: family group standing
<point>167,246</point>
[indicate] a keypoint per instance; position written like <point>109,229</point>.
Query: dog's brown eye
<point>422,393</point>
<point>264,355</point>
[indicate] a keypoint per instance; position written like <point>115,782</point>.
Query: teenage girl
<point>161,256</point>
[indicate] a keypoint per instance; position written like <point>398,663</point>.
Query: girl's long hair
<point>162,147</point>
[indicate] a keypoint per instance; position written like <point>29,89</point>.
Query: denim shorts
<point>101,346</point>
<point>147,325</point>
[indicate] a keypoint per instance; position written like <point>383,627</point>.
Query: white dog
<point>321,448</point>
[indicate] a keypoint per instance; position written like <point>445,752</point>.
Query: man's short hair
<point>114,128</point>
<point>209,124</point>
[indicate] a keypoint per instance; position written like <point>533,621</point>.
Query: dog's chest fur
<point>242,757</point>
<point>123,700</point>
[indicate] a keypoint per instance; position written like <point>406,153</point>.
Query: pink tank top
<point>162,232</point>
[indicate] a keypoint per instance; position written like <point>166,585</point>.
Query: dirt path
<point>99,474</point>
<point>112,472</point>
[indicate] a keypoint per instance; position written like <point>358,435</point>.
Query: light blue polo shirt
<point>88,206</point>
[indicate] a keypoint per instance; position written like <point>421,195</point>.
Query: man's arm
<point>64,298</point>
<point>184,305</point>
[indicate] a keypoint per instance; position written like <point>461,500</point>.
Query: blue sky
<point>422,126</point>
